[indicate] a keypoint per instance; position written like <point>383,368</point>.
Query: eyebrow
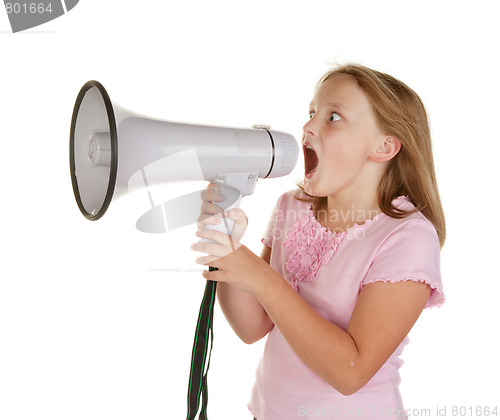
<point>332,104</point>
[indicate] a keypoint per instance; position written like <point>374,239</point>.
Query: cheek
<point>339,157</point>
<point>354,151</point>
<point>343,163</point>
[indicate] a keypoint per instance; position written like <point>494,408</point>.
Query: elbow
<point>350,383</point>
<point>250,340</point>
<point>251,337</point>
<point>247,338</point>
<point>348,390</point>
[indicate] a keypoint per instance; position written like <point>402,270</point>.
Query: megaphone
<point>110,147</point>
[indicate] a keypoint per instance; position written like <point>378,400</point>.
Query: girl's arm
<point>244,313</point>
<point>346,359</point>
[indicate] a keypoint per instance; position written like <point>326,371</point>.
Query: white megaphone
<point>110,147</point>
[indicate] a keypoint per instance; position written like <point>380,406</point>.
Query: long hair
<point>399,113</point>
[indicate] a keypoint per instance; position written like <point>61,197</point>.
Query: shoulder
<point>413,223</point>
<point>414,228</point>
<point>396,241</point>
<point>407,248</point>
<point>411,238</point>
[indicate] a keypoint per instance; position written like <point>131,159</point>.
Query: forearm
<point>244,313</point>
<point>254,297</point>
<point>325,348</point>
<point>382,317</point>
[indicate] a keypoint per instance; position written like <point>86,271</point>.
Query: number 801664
<point>25,8</point>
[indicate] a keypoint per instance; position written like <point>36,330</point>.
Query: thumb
<point>240,223</point>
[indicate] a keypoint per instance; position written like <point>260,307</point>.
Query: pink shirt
<point>328,270</point>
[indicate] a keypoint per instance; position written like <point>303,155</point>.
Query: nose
<point>310,126</point>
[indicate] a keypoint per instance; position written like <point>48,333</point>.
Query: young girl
<point>350,259</point>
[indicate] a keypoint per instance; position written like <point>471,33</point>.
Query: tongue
<point>311,160</point>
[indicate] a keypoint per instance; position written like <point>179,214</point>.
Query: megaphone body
<point>111,147</point>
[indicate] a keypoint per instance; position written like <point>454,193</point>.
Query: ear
<point>386,150</point>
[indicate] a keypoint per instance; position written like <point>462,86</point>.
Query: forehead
<point>342,90</point>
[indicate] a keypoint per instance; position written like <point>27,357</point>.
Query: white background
<point>97,319</point>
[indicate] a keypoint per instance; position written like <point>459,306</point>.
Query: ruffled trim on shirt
<point>436,299</point>
<point>312,246</point>
<point>402,203</point>
<point>267,242</point>
<point>251,411</point>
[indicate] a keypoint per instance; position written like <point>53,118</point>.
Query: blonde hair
<point>400,113</point>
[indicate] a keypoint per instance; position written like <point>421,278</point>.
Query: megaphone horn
<point>111,147</point>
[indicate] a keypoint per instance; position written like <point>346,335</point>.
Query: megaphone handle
<point>232,200</point>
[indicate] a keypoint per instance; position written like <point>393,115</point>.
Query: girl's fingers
<point>211,208</point>
<point>220,244</point>
<point>212,193</point>
<point>221,239</point>
<point>207,215</point>
<point>213,275</point>
<point>240,223</point>
<point>208,260</point>
<point>207,219</point>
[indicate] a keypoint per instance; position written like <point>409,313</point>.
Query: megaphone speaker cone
<point>93,150</point>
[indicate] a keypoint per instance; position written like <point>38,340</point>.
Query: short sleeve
<point>410,253</point>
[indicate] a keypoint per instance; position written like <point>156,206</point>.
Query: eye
<point>311,114</point>
<point>335,117</point>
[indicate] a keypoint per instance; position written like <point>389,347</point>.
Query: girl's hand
<point>236,264</point>
<point>212,214</point>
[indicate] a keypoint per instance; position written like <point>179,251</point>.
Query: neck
<point>341,213</point>
<point>355,203</point>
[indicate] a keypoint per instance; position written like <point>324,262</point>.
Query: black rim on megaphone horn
<point>114,150</point>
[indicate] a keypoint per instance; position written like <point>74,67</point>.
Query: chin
<point>315,190</point>
<point>310,189</point>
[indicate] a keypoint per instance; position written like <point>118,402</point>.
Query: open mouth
<point>311,160</point>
